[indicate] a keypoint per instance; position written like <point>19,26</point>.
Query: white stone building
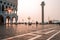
<point>8,10</point>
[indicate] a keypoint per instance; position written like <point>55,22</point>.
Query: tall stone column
<point>42,4</point>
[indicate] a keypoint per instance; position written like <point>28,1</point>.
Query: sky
<point>32,9</point>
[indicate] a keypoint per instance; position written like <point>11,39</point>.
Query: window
<point>7,3</point>
<point>11,4</point>
<point>2,7</point>
<point>0,1</point>
<point>4,2</point>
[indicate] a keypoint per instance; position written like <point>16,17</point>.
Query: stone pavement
<point>46,34</point>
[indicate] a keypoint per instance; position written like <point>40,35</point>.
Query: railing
<point>4,12</point>
<point>7,14</point>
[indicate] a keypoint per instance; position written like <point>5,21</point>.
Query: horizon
<point>32,8</point>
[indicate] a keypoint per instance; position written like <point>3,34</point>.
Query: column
<point>0,8</point>
<point>16,19</point>
<point>8,20</point>
<point>16,12</point>
<point>11,20</point>
<point>4,20</point>
<point>42,4</point>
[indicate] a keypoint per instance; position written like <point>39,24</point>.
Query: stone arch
<point>2,7</point>
<point>1,19</point>
<point>15,18</point>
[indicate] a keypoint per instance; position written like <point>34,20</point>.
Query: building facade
<point>8,10</point>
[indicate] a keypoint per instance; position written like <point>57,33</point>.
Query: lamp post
<point>42,4</point>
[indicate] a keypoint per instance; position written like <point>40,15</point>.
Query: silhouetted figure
<point>36,22</point>
<point>29,23</point>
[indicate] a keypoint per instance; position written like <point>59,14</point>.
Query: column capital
<point>42,3</point>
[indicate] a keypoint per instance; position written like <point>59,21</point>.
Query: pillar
<point>16,19</point>
<point>8,20</point>
<point>0,8</point>
<point>11,20</point>
<point>42,4</point>
<point>4,20</point>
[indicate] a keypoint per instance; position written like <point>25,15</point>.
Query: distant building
<point>50,22</point>
<point>54,21</point>
<point>8,10</point>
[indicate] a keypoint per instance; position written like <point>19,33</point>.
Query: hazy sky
<point>32,8</point>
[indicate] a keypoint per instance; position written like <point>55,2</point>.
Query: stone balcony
<point>7,14</point>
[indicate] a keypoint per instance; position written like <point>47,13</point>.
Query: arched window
<point>4,2</point>
<point>0,1</point>
<point>7,3</point>
<point>2,7</point>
